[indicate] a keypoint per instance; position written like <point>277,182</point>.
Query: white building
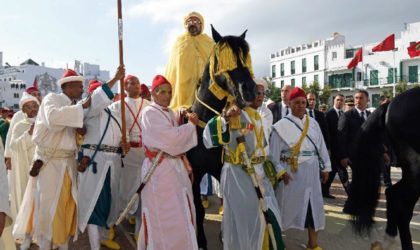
<point>325,61</point>
<point>15,79</point>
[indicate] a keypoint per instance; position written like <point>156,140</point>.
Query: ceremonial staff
<point>122,87</point>
<point>134,199</point>
<point>260,194</point>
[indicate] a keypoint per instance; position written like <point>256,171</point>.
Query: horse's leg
<point>199,172</point>
<point>391,194</point>
<point>410,199</point>
<point>401,200</point>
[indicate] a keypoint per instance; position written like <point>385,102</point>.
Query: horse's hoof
<point>376,246</point>
<point>389,242</point>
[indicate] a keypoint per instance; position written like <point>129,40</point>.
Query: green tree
<point>387,92</point>
<point>325,94</point>
<point>401,87</point>
<point>322,95</point>
<point>272,91</point>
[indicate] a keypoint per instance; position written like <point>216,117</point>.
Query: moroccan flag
<point>385,45</point>
<point>358,57</point>
<point>414,49</point>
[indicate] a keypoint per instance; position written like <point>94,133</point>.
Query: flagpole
<point>363,70</point>
<point>394,74</point>
<point>120,46</point>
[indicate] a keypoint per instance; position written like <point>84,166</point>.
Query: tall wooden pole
<point>120,41</point>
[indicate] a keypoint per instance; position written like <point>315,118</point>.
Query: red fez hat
<point>93,84</point>
<point>296,92</point>
<point>32,89</point>
<point>144,88</point>
<point>70,76</point>
<point>129,77</point>
<point>157,81</point>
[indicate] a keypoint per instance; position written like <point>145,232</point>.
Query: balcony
<point>342,84</point>
<point>373,82</point>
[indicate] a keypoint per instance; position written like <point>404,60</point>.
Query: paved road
<point>338,234</point>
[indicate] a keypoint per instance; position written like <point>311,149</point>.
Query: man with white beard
<point>17,117</point>
<point>22,151</point>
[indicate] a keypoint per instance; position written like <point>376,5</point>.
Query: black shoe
<point>329,196</point>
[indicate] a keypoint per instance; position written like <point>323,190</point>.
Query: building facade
<point>325,61</point>
<point>15,79</point>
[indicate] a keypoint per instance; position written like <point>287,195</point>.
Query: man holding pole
<point>100,165</point>
<point>168,213</point>
<point>251,214</point>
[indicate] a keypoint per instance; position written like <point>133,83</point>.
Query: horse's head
<point>231,69</point>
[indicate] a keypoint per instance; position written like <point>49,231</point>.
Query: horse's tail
<point>366,169</point>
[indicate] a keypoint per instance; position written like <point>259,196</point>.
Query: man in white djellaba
<point>297,148</point>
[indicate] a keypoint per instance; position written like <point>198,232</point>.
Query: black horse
<point>398,123</point>
<point>239,83</point>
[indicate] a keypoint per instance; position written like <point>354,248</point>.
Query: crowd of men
<point>70,171</point>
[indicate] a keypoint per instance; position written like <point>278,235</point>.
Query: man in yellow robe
<point>187,61</point>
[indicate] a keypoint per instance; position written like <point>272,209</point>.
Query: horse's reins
<point>201,123</point>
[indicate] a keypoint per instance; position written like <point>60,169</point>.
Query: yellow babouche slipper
<point>316,248</point>
<point>132,221</point>
<point>221,211</point>
<point>111,234</point>
<point>110,244</point>
<point>136,237</point>
<point>205,203</point>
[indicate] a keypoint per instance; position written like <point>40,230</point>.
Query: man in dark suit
<point>348,125</point>
<point>281,109</point>
<point>332,117</point>
<point>318,116</point>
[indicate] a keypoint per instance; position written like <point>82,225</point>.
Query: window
<point>316,62</point>
<point>316,44</point>
<point>297,49</point>
<point>293,50</point>
<point>359,76</point>
<point>281,69</point>
<point>334,56</point>
<point>413,73</point>
<point>293,82</point>
<point>392,75</point>
<point>349,53</point>
<point>316,78</point>
<point>309,46</point>
<point>282,53</point>
<point>303,65</point>
<point>273,71</point>
<point>281,83</point>
<point>374,77</point>
<point>303,80</point>
<point>292,67</point>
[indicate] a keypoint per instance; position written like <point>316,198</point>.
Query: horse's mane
<point>366,169</point>
<point>237,44</point>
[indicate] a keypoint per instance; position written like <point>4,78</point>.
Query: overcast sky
<point>57,32</point>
